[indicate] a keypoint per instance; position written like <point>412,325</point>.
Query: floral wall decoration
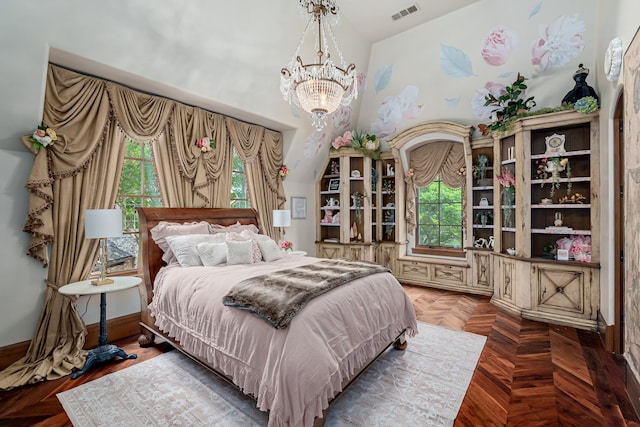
<point>559,42</point>
<point>499,44</point>
<point>314,144</point>
<point>342,118</point>
<point>535,10</point>
<point>382,77</point>
<point>396,108</point>
<point>455,63</point>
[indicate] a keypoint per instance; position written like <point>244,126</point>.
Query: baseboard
<point>117,329</point>
<point>633,387</point>
<point>606,333</point>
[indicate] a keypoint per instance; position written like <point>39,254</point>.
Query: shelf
<point>482,226</point>
<point>572,180</point>
<point>391,208</point>
<point>562,206</point>
<point>490,207</point>
<point>330,208</point>
<point>561,232</point>
<point>508,162</point>
<point>389,223</point>
<point>509,229</point>
<point>567,154</point>
<point>330,192</point>
<point>485,187</point>
<point>323,224</point>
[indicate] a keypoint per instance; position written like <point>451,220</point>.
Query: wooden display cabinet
<point>534,281</point>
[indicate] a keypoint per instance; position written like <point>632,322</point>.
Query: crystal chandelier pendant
<point>319,88</point>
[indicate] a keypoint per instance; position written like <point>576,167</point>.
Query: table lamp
<point>101,224</point>
<point>282,218</point>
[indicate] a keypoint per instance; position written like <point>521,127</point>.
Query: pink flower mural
<point>498,45</point>
<point>394,109</point>
<point>559,42</point>
<point>477,103</point>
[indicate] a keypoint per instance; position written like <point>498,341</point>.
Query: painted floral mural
<point>481,110</point>
<point>559,42</point>
<point>394,109</point>
<point>498,45</point>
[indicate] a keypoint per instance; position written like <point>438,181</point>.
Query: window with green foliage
<point>138,187</point>
<point>239,197</point>
<point>439,216</point>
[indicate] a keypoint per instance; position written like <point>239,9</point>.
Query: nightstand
<point>104,351</point>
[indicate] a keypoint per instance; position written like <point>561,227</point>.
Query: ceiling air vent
<point>405,12</point>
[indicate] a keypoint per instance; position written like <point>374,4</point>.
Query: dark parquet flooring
<point>529,373</point>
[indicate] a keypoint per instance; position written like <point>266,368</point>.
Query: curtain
<point>443,159</point>
<point>93,119</point>
<point>261,150</point>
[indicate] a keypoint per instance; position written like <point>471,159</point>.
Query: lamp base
<point>99,282</point>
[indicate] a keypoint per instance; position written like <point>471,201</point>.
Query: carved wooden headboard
<point>151,254</point>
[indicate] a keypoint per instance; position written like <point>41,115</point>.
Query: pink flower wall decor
<point>559,42</point>
<point>477,103</point>
<point>498,45</point>
<point>395,109</point>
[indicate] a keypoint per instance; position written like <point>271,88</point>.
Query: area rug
<point>423,385</point>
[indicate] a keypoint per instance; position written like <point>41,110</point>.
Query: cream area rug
<point>423,385</point>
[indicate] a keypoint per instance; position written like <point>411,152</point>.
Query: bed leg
<point>400,343</point>
<point>319,422</point>
<point>146,338</point>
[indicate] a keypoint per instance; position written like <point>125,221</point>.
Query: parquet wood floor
<point>529,373</point>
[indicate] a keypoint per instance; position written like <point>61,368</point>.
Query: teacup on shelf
<point>546,201</point>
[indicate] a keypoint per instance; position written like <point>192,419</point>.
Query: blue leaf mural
<point>452,102</point>
<point>505,75</point>
<point>455,63</point>
<point>295,112</point>
<point>382,77</point>
<point>535,10</point>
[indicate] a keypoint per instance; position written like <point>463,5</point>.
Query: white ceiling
<point>372,19</point>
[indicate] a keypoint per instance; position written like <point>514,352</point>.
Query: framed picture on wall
<point>298,207</point>
<point>334,184</point>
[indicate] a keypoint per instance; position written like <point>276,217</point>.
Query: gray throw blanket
<point>279,296</point>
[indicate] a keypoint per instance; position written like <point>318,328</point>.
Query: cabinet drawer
<point>413,270</point>
<point>449,274</point>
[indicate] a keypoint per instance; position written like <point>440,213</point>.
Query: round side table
<point>104,351</point>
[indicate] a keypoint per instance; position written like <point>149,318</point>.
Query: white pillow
<point>234,228</point>
<point>185,248</point>
<point>212,253</point>
<point>160,232</point>
<point>270,250</point>
<point>239,252</point>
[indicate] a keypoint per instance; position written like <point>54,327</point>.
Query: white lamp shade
<point>282,218</point>
<point>99,223</point>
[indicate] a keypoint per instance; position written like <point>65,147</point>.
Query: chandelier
<point>320,87</point>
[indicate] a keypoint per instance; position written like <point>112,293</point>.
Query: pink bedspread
<point>293,372</point>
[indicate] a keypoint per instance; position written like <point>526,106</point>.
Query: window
<point>138,187</point>
<point>239,197</point>
<point>439,228</point>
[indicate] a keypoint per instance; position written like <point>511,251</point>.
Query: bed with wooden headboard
<point>230,332</point>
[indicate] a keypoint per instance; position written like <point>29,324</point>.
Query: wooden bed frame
<point>151,258</point>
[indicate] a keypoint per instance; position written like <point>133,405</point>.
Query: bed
<point>293,372</point>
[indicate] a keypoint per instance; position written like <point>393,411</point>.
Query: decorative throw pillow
<point>239,252</point>
<point>212,254</point>
<point>235,228</point>
<point>270,250</point>
<point>251,237</point>
<point>160,232</point>
<point>185,248</point>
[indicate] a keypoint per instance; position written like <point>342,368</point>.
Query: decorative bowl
<point>546,201</point>
<point>511,251</point>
